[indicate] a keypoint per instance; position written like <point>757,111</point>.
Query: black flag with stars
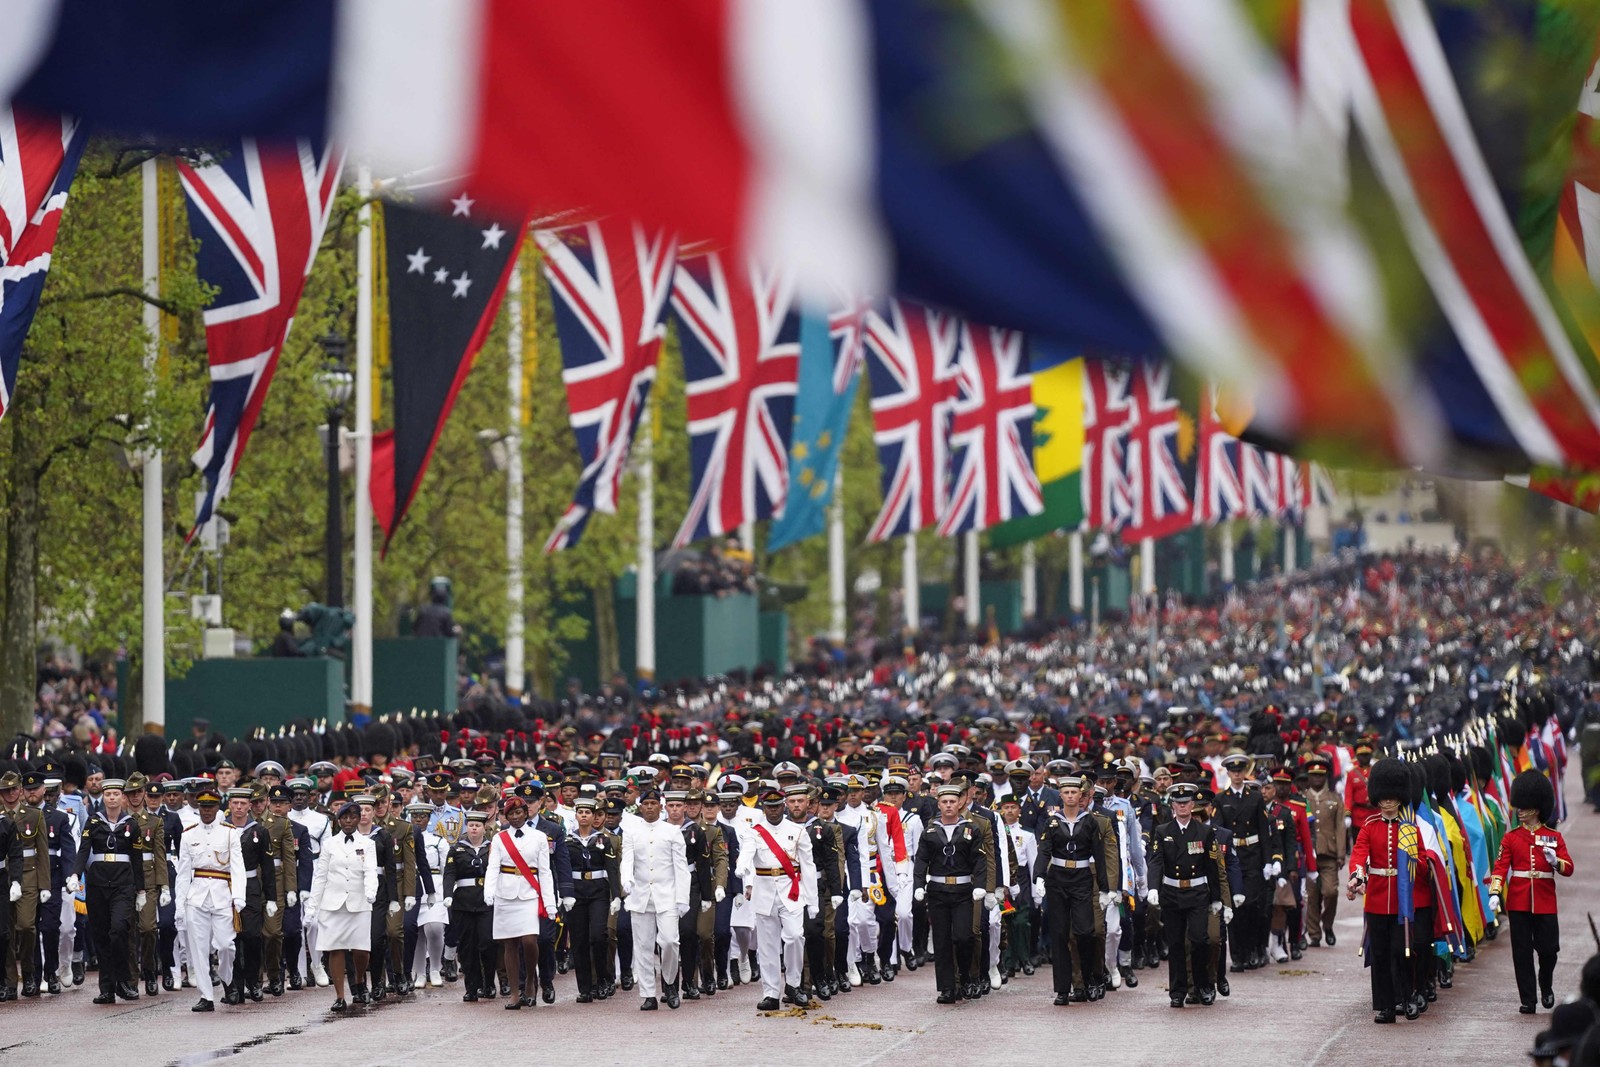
<point>447,270</point>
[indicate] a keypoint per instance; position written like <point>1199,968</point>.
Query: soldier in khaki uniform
<point>152,852</point>
<point>405,863</point>
<point>28,864</point>
<point>1330,836</point>
<point>285,855</point>
<point>706,920</point>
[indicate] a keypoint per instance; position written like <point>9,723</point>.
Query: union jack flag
<point>915,384</point>
<point>991,434</point>
<point>38,157</point>
<point>1108,415</point>
<point>1219,482</point>
<point>1161,456</point>
<point>611,280</point>
<point>741,359</point>
<point>258,214</point>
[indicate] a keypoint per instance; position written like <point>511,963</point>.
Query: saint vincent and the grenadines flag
<point>1057,447</point>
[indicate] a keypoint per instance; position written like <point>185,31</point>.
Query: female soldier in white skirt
<point>343,889</point>
<point>519,902</point>
<point>432,915</point>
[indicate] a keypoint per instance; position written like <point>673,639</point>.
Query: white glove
<point>1216,907</point>
<point>1267,871</point>
<point>707,905</point>
<point>1238,898</point>
<point>410,903</point>
<point>394,907</point>
<point>811,911</point>
<point>272,908</point>
<point>448,901</point>
<point>990,900</point>
<point>310,914</point>
<point>163,900</point>
<point>73,883</point>
<point>919,895</point>
<point>722,894</point>
<point>1550,855</point>
<point>1107,899</point>
<point>683,909</point>
<point>1153,897</point>
<point>1227,915</point>
<point>1277,868</point>
<point>977,892</point>
<point>1038,889</point>
<point>836,900</point>
<point>570,902</point>
<point>138,901</point>
<point>238,903</point>
<point>855,896</point>
<point>1347,823</point>
<point>291,898</point>
<point>372,898</point>
<point>45,895</point>
<point>1282,882</point>
<point>1494,902</point>
<point>616,905</point>
<point>16,892</point>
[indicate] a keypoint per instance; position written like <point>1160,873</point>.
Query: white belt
<point>1071,865</point>
<point>29,852</point>
<point>1183,883</point>
<point>1533,874</point>
<point>588,876</point>
<point>1384,872</point>
<point>277,862</point>
<point>1251,840</point>
<point>149,857</point>
<point>252,874</point>
<point>951,879</point>
<point>108,857</point>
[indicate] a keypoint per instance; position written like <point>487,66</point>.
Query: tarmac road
<point>1313,1011</point>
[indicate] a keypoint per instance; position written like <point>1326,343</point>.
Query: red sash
<point>897,830</point>
<point>522,865</point>
<point>783,861</point>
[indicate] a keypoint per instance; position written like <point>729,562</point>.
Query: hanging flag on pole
<point>38,158</point>
<point>740,339</point>
<point>446,276</point>
<point>258,212</point>
<point>610,281</point>
<point>1161,457</point>
<point>991,433</point>
<point>1109,415</point>
<point>1219,492</point>
<point>830,369</point>
<point>1058,384</point>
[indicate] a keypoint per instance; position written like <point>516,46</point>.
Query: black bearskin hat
<point>150,756</point>
<point>1388,780</point>
<point>1531,789</point>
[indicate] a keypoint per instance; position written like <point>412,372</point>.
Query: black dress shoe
<point>275,988</point>
<point>690,991</point>
<point>488,992</point>
<point>1547,998</point>
<point>167,983</point>
<point>296,982</point>
<point>150,988</point>
<point>1235,968</point>
<point>530,1002</point>
<point>1430,995</point>
<point>1027,968</point>
<point>627,981</point>
<point>52,985</point>
<point>1080,994</point>
<point>505,987</point>
<point>767,1004</point>
<point>128,991</point>
<point>1386,1016</point>
<point>1412,1011</point>
<point>1527,1009</point>
<point>649,1004</point>
<point>230,996</point>
<point>359,996</point>
<point>583,998</point>
<point>888,971</point>
<point>1176,1002</point>
<point>339,1005</point>
<point>106,998</point>
<point>30,987</point>
<point>1329,937</point>
<point>204,1005</point>
<point>548,992</point>
<point>253,992</point>
<point>708,988</point>
<point>792,996</point>
<point>1208,997</point>
<point>77,973</point>
<point>1295,952</point>
<point>672,995</point>
<point>1192,997</point>
<point>1222,986</point>
<point>514,1004</point>
<point>448,971</point>
<point>1062,1000</point>
<point>470,996</point>
<point>945,997</point>
<point>1129,979</point>
<point>869,972</point>
<point>722,981</point>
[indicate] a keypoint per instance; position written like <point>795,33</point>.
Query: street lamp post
<point>335,383</point>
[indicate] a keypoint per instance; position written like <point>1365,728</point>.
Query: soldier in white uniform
<point>863,921</point>
<point>211,888</point>
<point>655,890</point>
<point>317,826</point>
<point>432,916</point>
<point>780,880</point>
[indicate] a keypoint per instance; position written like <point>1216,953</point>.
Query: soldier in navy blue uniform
<point>172,793</point>
<point>951,873</point>
<point>464,870</point>
<point>1186,876</point>
<point>260,897</point>
<point>596,884</point>
<point>1070,875</point>
<point>109,866</point>
<point>299,887</point>
<point>1241,810</point>
<point>59,839</point>
<point>561,870</point>
<point>729,801</point>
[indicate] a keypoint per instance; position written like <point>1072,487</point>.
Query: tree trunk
<point>607,662</point>
<point>18,629</point>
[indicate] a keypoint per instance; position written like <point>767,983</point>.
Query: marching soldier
<point>1375,860</point>
<point>830,894</point>
<point>152,830</point>
<point>285,853</point>
<point>1531,855</point>
<point>713,892</point>
<point>471,914</point>
<point>110,869</point>
<point>780,881</point>
<point>655,891</point>
<point>1240,809</point>
<point>211,890</point>
<point>1186,879</point>
<point>697,854</point>
<point>596,876</point>
<point>317,825</point>
<point>949,876</point>
<point>61,837</point>
<point>1070,875</point>
<point>28,863</point>
<point>404,857</point>
<point>260,898</point>
<point>1331,838</point>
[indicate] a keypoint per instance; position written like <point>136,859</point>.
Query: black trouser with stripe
<point>475,947</point>
<point>1188,945</point>
<point>586,927</point>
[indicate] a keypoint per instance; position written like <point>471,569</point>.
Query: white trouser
<point>65,937</point>
<point>654,932</point>
<point>994,936</point>
<point>429,950</point>
<point>1113,935</point>
<point>863,925</point>
<point>207,930</point>
<point>780,947</point>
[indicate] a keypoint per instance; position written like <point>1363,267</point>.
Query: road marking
<point>1336,1035</point>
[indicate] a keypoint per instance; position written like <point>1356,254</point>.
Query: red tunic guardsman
<point>1531,855</point>
<point>1375,870</point>
<point>1357,791</point>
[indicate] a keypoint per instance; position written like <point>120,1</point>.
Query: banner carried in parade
<point>38,159</point>
<point>740,337</point>
<point>258,212</point>
<point>446,276</point>
<point>609,281</point>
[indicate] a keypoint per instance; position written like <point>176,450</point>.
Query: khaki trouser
<point>1322,900</point>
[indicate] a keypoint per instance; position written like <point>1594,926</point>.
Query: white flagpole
<point>1288,547</point>
<point>361,633</point>
<point>154,688</point>
<point>1227,553</point>
<point>970,543</point>
<point>836,595</point>
<point>1147,566</point>
<point>910,583</point>
<point>1075,572</point>
<point>1030,582</point>
<point>644,603</point>
<point>516,671</point>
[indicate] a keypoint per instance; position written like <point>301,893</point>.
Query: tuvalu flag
<point>1057,447</point>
